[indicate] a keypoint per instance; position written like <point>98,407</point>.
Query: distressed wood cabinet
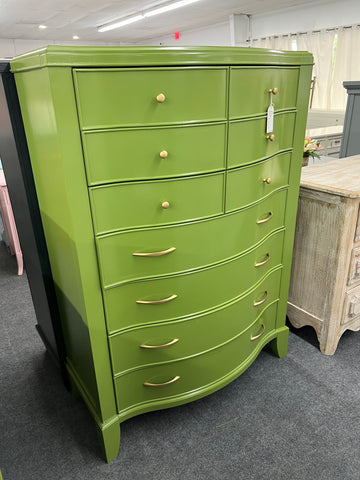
<point>325,280</point>
<point>168,211</point>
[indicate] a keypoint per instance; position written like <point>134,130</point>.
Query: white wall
<point>317,15</point>
<point>11,47</point>
<point>214,35</point>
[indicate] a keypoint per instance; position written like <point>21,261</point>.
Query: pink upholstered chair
<point>9,223</point>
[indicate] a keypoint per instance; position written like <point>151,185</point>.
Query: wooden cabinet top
<point>341,177</point>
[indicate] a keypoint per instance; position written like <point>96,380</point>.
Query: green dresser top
<point>63,56</point>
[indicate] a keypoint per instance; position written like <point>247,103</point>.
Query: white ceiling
<point>65,18</point>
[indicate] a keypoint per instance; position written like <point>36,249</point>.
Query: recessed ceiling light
<point>76,37</point>
<point>42,27</point>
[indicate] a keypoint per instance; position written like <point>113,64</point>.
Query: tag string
<point>271,97</point>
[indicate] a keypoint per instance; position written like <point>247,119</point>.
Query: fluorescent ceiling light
<point>168,8</point>
<point>146,13</point>
<point>42,27</point>
<point>121,23</point>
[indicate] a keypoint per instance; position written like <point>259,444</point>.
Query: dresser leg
<point>280,343</point>
<point>328,345</point>
<point>110,436</point>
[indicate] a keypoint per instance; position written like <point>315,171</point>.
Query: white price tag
<point>270,119</point>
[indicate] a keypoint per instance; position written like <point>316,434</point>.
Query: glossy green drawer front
<point>127,205</point>
<point>195,292</point>
<point>116,97</point>
<point>249,89</point>
<point>135,154</point>
<point>196,244</point>
<point>248,141</point>
<point>129,349</point>
<point>195,373</point>
<point>246,185</point>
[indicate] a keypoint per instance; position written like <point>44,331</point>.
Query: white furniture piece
<point>325,279</point>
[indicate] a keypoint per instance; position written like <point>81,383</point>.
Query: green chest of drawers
<point>168,212</point>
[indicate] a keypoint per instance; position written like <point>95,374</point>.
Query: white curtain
<point>281,42</point>
<point>321,45</point>
<point>262,42</point>
<point>347,64</point>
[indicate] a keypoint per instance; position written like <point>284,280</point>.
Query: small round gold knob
<point>274,90</point>
<point>160,98</point>
<point>163,154</point>
<point>271,137</point>
<point>267,180</point>
<point>165,204</point>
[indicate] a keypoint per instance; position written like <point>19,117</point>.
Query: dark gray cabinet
<point>350,144</point>
<point>16,164</point>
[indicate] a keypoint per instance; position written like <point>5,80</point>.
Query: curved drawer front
<point>242,151</point>
<point>179,295</point>
<point>135,154</point>
<point>116,97</point>
<point>196,244</point>
<point>246,185</point>
<point>175,340</point>
<point>194,373</point>
<point>249,89</point>
<point>127,205</point>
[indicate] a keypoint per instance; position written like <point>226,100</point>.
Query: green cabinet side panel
<point>294,183</point>
<point>48,109</point>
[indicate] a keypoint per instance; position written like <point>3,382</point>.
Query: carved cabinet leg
<point>279,344</point>
<point>328,344</point>
<point>110,436</point>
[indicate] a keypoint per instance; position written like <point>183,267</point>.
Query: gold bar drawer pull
<point>260,334</point>
<point>263,300</point>
<point>264,262</point>
<point>269,217</point>
<point>156,347</point>
<point>154,254</point>
<point>157,302</point>
<point>173,380</point>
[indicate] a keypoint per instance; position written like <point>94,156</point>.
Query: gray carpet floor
<point>293,418</point>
